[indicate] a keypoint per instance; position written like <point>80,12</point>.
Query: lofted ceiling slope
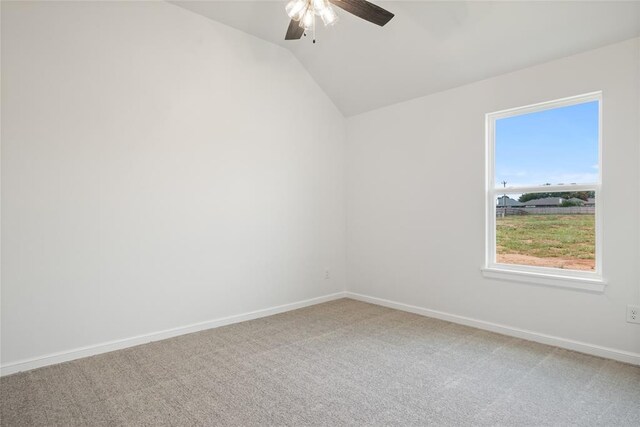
<point>431,46</point>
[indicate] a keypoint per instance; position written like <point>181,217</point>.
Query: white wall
<point>158,169</point>
<point>415,192</point>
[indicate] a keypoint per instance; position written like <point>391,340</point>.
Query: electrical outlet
<point>327,276</point>
<point>633,313</point>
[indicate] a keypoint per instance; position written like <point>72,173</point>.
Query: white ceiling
<point>431,46</point>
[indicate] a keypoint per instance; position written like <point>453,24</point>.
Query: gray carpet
<point>338,363</point>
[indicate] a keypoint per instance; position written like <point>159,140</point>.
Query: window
<point>544,192</point>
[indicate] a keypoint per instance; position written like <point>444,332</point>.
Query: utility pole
<point>504,199</point>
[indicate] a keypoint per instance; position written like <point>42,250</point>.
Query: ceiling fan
<point>303,14</point>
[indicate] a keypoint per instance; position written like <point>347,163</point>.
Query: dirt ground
<point>570,264</point>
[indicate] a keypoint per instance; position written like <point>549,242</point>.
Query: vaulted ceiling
<point>431,45</point>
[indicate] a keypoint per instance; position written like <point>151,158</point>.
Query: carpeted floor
<point>342,362</point>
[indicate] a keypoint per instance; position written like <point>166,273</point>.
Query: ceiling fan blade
<point>294,32</point>
<point>365,10</point>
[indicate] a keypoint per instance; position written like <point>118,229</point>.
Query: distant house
<point>555,202</point>
<point>547,202</point>
<point>508,202</point>
<point>590,202</point>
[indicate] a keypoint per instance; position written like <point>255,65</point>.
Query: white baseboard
<point>582,347</point>
<point>65,356</point>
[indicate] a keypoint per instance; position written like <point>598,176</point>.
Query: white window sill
<point>593,284</point>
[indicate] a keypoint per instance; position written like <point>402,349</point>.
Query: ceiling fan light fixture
<point>329,16</point>
<point>296,9</point>
<point>319,6</point>
<point>308,19</point>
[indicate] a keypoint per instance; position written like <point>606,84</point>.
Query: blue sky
<point>557,146</point>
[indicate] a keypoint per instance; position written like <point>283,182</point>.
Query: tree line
<point>582,195</point>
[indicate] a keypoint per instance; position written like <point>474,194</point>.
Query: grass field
<point>562,241</point>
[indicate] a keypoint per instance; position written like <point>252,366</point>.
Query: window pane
<point>554,146</point>
<point>555,230</point>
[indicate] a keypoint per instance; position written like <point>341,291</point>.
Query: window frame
<point>575,279</point>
